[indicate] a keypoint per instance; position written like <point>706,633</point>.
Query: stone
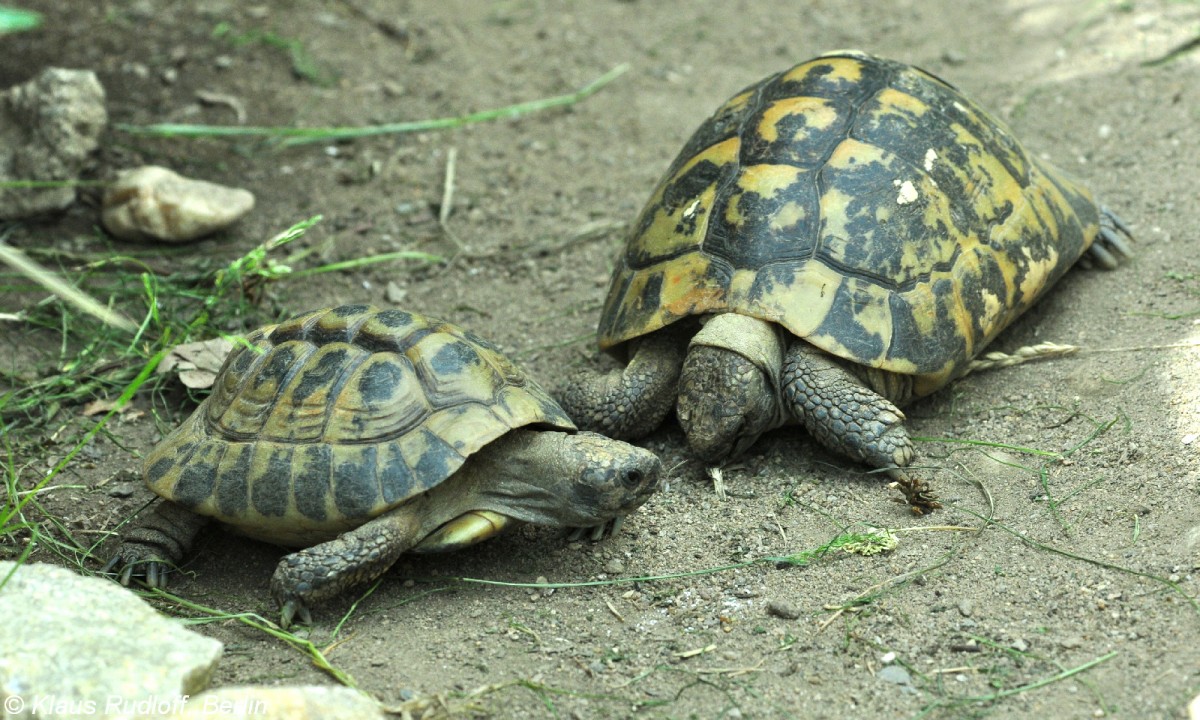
<point>77,646</point>
<point>154,203</point>
<point>894,674</point>
<point>280,703</point>
<point>782,609</point>
<point>48,128</point>
<point>394,293</point>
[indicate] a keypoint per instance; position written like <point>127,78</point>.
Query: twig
<point>718,481</point>
<point>448,187</point>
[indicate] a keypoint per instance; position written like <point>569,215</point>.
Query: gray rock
<point>77,646</point>
<point>123,489</point>
<point>783,609</point>
<point>894,674</point>
<point>154,203</point>
<point>48,127</point>
<point>280,703</point>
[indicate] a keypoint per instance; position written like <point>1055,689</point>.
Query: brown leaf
<point>197,363</point>
<point>96,407</point>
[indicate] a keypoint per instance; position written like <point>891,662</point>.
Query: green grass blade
<point>297,136</point>
<point>14,19</point>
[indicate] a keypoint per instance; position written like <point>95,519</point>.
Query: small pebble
<point>966,607</point>
<point>614,566</point>
<point>953,57</point>
<point>783,609</point>
<point>894,674</point>
<point>122,490</point>
<point>1019,645</point>
<point>394,293</point>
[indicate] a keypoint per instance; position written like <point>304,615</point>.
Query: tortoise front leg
<point>843,414</point>
<point>628,404</point>
<point>318,573</point>
<point>155,544</point>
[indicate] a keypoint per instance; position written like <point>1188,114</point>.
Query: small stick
<point>718,480</point>
<point>448,187</point>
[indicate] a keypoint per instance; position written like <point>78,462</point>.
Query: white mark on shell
<point>930,156</point>
<point>691,209</point>
<point>908,192</point>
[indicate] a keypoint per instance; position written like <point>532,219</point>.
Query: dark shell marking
<point>865,205</point>
<point>336,416</point>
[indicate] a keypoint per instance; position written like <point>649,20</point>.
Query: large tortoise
<point>360,434</point>
<point>838,239</point>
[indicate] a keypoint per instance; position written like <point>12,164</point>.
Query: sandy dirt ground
<point>1071,596</point>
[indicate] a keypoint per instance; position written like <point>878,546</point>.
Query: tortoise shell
<point>324,421</point>
<point>863,204</point>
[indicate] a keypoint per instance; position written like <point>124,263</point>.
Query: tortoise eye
<point>631,478</point>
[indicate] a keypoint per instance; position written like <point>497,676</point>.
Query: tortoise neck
<point>520,475</point>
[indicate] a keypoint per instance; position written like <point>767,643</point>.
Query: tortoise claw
<point>291,610</point>
<point>156,575</point>
<point>111,565</point>
<point>596,533</point>
<point>126,566</point>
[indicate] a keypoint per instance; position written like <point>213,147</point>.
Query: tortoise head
<point>606,478</point>
<point>728,391</point>
<point>554,478</point>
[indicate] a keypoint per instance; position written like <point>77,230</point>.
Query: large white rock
<point>76,646</point>
<point>152,202</point>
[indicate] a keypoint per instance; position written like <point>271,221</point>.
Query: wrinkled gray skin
<point>550,478</point>
<point>739,377</point>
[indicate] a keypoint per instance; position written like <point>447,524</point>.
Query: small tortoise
<point>360,434</point>
<point>836,240</point>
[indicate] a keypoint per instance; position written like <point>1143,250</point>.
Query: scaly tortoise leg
<point>629,403</point>
<point>843,414</point>
<point>155,544</point>
<point>315,574</point>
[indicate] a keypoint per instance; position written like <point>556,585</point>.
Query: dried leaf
<point>96,407</point>
<point>197,363</point>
